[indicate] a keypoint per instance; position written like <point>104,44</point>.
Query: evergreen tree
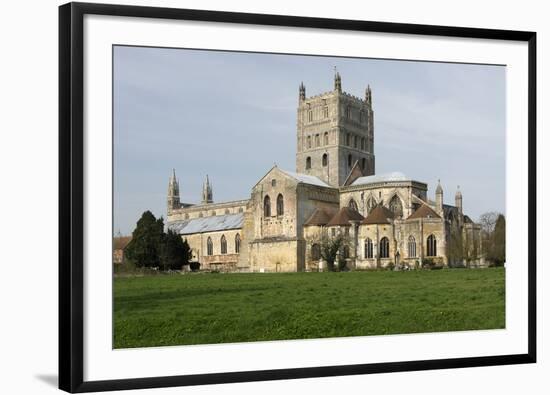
<point>498,253</point>
<point>174,252</point>
<point>144,248</point>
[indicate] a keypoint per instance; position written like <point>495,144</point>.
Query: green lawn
<point>218,308</point>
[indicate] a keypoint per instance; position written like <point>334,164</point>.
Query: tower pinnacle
<point>207,192</point>
<point>302,92</point>
<point>337,81</point>
<point>173,200</point>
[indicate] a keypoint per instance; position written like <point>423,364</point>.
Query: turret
<point>458,204</point>
<point>302,92</point>
<point>337,82</point>
<point>173,200</point>
<point>368,96</point>
<point>439,198</point>
<point>207,192</point>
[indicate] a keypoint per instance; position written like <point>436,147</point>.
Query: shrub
<point>194,266</point>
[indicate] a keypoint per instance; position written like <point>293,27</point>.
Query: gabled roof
<point>354,174</point>
<point>208,224</point>
<point>120,243</point>
<point>424,211</point>
<point>379,215</point>
<point>320,217</point>
<point>342,217</point>
<point>306,179</point>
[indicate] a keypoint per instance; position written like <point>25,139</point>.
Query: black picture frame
<point>71,195</point>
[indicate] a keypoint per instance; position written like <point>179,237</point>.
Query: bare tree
<point>329,247</point>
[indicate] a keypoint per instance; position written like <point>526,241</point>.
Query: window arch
<point>363,163</point>
<point>209,247</point>
<point>267,206</point>
<point>309,141</point>
<point>240,210</point>
<point>310,115</point>
<point>384,248</point>
<point>412,247</point>
<point>325,112</point>
<point>280,205</point>
<point>396,206</point>
<point>237,243</point>
<point>355,141</point>
<point>368,249</point>
<point>352,205</point>
<point>317,140</point>
<point>308,163</point>
<point>371,203</point>
<point>325,160</point>
<point>315,252</point>
<point>431,246</point>
<point>346,252</point>
<point>349,160</point>
<point>363,144</point>
<point>326,138</point>
<point>348,112</point>
<point>226,211</point>
<point>223,245</point>
<point>348,140</point>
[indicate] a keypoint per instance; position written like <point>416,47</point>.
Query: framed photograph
<point>249,197</point>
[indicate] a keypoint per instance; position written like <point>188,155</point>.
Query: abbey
<point>386,220</point>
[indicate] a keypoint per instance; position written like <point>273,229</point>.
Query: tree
<point>456,246</point>
<point>487,222</point>
<point>144,248</point>
<point>174,252</point>
<point>329,247</point>
<point>497,253</point>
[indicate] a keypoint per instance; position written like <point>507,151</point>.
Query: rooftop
<point>343,217</point>
<point>389,177</point>
<point>424,212</point>
<point>208,224</point>
<point>320,217</point>
<point>379,215</point>
<point>306,179</point>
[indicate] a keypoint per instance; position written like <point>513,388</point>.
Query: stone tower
<point>334,131</point>
<point>207,192</point>
<point>439,198</point>
<point>173,200</point>
<point>458,204</point>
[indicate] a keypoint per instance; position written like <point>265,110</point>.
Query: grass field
<point>218,308</point>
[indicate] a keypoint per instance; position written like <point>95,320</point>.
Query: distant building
<point>119,245</point>
<point>387,219</point>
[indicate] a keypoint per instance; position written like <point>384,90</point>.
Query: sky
<point>232,115</point>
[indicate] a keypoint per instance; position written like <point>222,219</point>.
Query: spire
<point>302,92</point>
<point>368,96</point>
<point>337,81</point>
<point>439,198</point>
<point>173,192</point>
<point>207,191</point>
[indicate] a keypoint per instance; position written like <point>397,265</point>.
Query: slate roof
<point>424,211</point>
<point>342,217</point>
<point>208,224</point>
<point>379,215</point>
<point>306,179</point>
<point>320,217</point>
<point>395,176</point>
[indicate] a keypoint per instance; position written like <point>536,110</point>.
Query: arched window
<point>355,141</point>
<point>308,163</point>
<point>315,252</point>
<point>361,116</point>
<point>213,213</point>
<point>349,160</point>
<point>384,248</point>
<point>368,249</point>
<point>240,209</point>
<point>348,112</point>
<point>309,141</point>
<point>396,206</point>
<point>352,205</point>
<point>223,245</point>
<point>325,112</point>
<point>280,205</point>
<point>326,138</point>
<point>237,243</point>
<point>371,203</point>
<point>432,246</point>
<point>363,144</point>
<point>209,247</point>
<point>412,247</point>
<point>310,115</point>
<point>325,160</point>
<point>317,140</point>
<point>186,216</point>
<point>200,215</point>
<point>363,163</point>
<point>348,140</point>
<point>226,211</point>
<point>346,252</point>
<point>267,206</point>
